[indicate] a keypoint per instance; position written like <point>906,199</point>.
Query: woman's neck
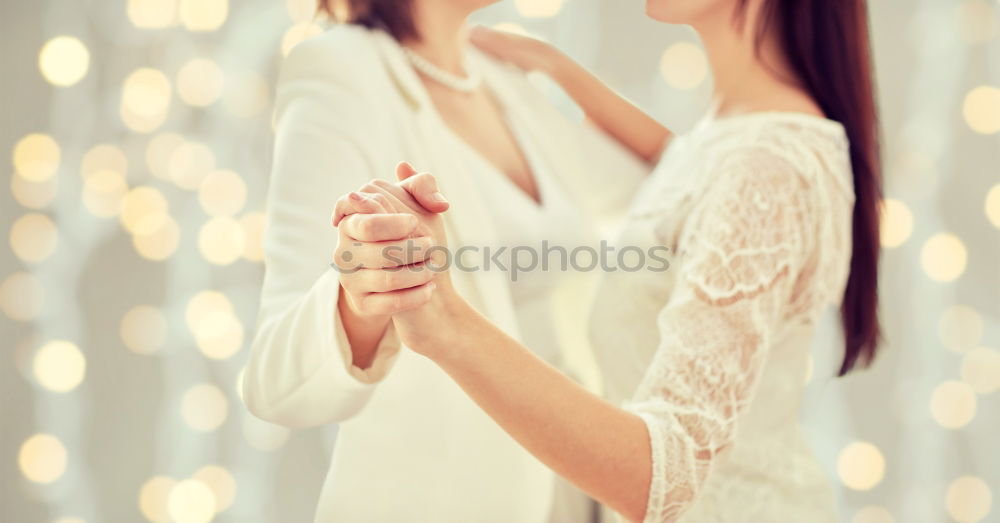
<point>442,34</point>
<point>749,77</point>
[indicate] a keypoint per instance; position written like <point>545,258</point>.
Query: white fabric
<point>412,446</point>
<point>713,353</point>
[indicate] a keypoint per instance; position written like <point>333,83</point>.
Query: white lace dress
<point>713,352</point>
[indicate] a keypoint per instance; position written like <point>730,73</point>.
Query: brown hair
<point>827,44</point>
<point>395,16</point>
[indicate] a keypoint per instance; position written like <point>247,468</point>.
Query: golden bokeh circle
<point>145,101</point>
<point>861,466</point>
<point>943,257</point>
<point>42,458</point>
<point>221,482</point>
<point>152,14</point>
<point>969,499</point>
<point>221,240</point>
<point>144,210</point>
<point>159,244</point>
<point>981,370</point>
<point>31,194</point>
<point>64,61</point>
<point>144,329</point>
<point>153,498</point>
<point>22,296</point>
<point>982,109</point>
<point>36,157</point>
<point>59,366</point>
<point>104,193</point>
<point>203,15</point>
<point>200,82</point>
<point>960,328</point>
<point>189,164</point>
<point>253,224</point>
<point>953,404</point>
<point>992,205</point>
<point>34,237</point>
<point>897,223</point>
<point>204,407</point>
<point>222,193</point>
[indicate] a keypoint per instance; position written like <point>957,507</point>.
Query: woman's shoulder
<point>346,54</point>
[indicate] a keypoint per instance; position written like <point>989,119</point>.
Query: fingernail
<point>438,197</point>
<point>356,197</point>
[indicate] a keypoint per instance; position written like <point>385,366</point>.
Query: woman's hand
<point>529,54</point>
<point>405,278</point>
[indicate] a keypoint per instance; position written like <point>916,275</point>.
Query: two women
<point>770,205</point>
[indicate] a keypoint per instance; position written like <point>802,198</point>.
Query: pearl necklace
<point>452,81</point>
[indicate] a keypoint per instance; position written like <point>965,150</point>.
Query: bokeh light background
<point>138,133</point>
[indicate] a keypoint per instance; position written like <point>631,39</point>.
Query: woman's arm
<point>315,357</point>
<point>649,460</point>
<point>618,117</point>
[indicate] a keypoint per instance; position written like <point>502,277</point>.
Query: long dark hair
<point>827,44</point>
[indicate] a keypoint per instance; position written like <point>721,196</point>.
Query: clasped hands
<point>392,256</point>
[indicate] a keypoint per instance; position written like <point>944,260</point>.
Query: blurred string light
<point>191,501</point>
<point>953,404</point>
<point>992,205</point>
<point>861,466</point>
<point>943,257</point>
<point>158,152</point>
<point>42,458</point>
<point>897,223</point>
<point>873,514</point>
<point>160,243</point>
<point>684,66</point>
<point>144,210</point>
<point>960,328</point>
<point>247,95</point>
<point>538,8</point>
<point>297,33</point>
<point>144,329</point>
<point>189,164</point>
<point>145,100</point>
<point>969,499</point>
<point>33,237</point>
<point>200,82</point>
<point>221,240</point>
<point>981,370</point>
<point>36,157</point>
<point>153,498</point>
<point>982,109</point>
<point>221,483</point>
<point>222,193</point>
<point>64,61</point>
<point>22,296</point>
<point>253,224</point>
<point>31,194</point>
<point>103,193</point>
<point>204,407</point>
<point>103,157</point>
<point>152,14</point>
<point>59,366</point>
<point>203,15</point>
<point>212,320</point>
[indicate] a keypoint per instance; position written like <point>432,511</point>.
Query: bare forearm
<point>618,117</point>
<point>602,449</point>
<point>363,332</point>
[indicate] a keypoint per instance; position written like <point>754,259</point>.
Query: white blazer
<point>412,446</point>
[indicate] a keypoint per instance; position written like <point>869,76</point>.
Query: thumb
<point>423,187</point>
<point>404,170</point>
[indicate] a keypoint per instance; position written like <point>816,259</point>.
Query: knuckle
<point>378,182</point>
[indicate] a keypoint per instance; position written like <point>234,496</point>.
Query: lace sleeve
<point>741,250</point>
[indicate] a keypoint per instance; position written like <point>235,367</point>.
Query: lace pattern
<point>751,262</point>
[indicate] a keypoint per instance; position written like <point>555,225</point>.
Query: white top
<point>713,353</point>
<point>411,445</point>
